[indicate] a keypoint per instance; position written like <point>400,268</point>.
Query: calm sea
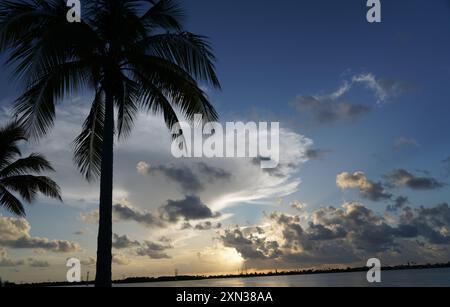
<point>407,278</point>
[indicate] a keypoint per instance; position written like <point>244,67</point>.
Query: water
<point>406,278</point>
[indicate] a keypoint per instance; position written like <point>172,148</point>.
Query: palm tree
<point>131,55</point>
<point>19,175</point>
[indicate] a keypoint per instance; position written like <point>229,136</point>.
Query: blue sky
<point>274,59</point>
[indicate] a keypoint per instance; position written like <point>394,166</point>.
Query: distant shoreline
<point>141,280</point>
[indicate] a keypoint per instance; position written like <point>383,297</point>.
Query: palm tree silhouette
<point>19,175</point>
<point>131,55</point>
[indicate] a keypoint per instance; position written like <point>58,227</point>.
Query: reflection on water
<point>407,278</point>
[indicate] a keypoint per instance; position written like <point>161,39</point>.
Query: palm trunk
<point>104,243</point>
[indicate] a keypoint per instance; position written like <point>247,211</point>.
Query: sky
<point>365,160</point>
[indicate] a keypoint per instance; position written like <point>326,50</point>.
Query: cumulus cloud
<point>403,178</point>
<point>15,233</point>
<point>350,234</point>
<point>143,168</point>
<point>250,246</point>
<point>368,189</point>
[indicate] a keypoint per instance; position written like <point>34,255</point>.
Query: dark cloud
<point>15,233</point>
<point>250,246</point>
<point>403,178</point>
<point>326,110</point>
<point>123,242</point>
<point>400,202</point>
<point>368,189</point>
<point>182,175</point>
<point>317,154</point>
<point>207,226</point>
<point>154,250</point>
<point>432,224</point>
<point>344,235</point>
<point>190,208</point>
<point>56,246</point>
<point>189,180</point>
<point>213,173</point>
<point>128,213</point>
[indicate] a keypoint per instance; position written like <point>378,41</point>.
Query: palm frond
<point>88,145</point>
<point>29,186</point>
<point>10,135</point>
<point>166,14</point>
<point>127,105</point>
<point>11,203</point>
<point>173,82</point>
<point>34,163</point>
<point>36,107</point>
<point>191,52</point>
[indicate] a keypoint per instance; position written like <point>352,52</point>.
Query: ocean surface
<point>406,278</point>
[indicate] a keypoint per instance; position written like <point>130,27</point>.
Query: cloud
<point>213,173</point>
<point>182,175</point>
<point>36,263</point>
<point>5,261</point>
<point>91,217</point>
<point>350,234</point>
<point>154,250</point>
<point>143,168</point>
<point>189,208</point>
<point>334,107</point>
<point>317,154</point>
<point>400,203</point>
<point>190,180</point>
<point>123,242</point>
<point>207,226</point>
<point>403,178</point>
<point>120,259</point>
<point>15,233</point>
<point>250,246</point>
<point>125,212</point>
<point>384,89</point>
<point>403,142</point>
<point>432,224</point>
<point>368,189</point>
<point>325,110</point>
<point>89,261</point>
